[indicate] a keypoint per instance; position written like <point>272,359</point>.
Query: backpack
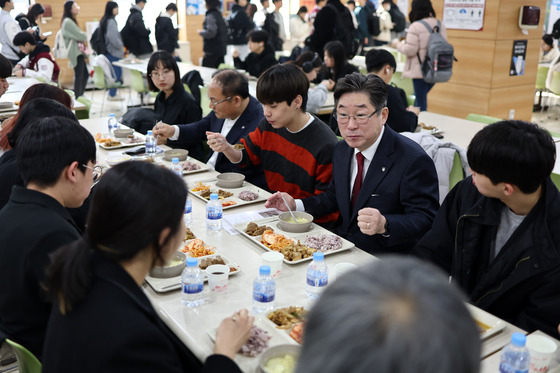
<point>271,26</point>
<point>97,41</point>
<point>398,18</point>
<point>343,33</point>
<point>60,49</point>
<point>373,24</point>
<point>438,63</point>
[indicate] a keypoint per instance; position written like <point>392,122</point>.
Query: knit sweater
<point>72,35</point>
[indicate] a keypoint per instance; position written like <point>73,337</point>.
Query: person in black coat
<point>214,33</point>
<point>238,25</point>
<point>135,35</point>
<point>35,222</point>
<point>166,35</point>
<point>333,22</point>
<point>261,56</point>
<point>108,324</point>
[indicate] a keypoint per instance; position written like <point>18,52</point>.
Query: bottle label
<point>318,281</point>
<point>263,298</point>
<point>505,368</point>
<point>192,288</point>
<point>188,209</point>
<point>214,215</point>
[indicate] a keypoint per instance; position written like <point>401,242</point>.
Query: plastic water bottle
<point>176,167</point>
<point>111,123</point>
<point>214,212</point>
<point>192,284</point>
<point>317,276</point>
<point>515,356</point>
<point>187,216</point>
<point>150,144</point>
<point>264,291</point>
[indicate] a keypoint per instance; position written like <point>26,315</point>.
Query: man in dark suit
<point>234,114</point>
<point>384,185</point>
<point>55,157</point>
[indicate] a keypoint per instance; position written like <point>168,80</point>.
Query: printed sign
<point>518,58</point>
<point>464,14</point>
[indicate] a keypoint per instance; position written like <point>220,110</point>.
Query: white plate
<point>494,324</point>
<point>123,142</point>
<point>263,195</point>
<point>6,105</point>
<point>273,223</point>
<point>203,166</point>
<point>162,285</point>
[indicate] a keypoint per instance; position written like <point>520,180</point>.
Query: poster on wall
<point>464,14</point>
<point>518,58</point>
<point>196,7</point>
<point>553,15</point>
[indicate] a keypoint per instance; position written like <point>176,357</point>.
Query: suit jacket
<point>401,182</point>
<point>116,329</point>
<point>248,121</point>
<point>33,226</point>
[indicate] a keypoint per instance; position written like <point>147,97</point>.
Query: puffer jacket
<point>522,283</point>
<point>417,43</point>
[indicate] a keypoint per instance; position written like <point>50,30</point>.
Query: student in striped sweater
<point>294,147</point>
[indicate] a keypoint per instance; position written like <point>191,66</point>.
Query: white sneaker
<point>115,98</point>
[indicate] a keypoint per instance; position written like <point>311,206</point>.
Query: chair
<point>540,85</point>
<point>404,83</point>
<point>482,118</point>
<point>83,114</point>
<point>555,179</point>
<point>225,66</point>
<point>204,100</point>
<point>27,362</point>
<point>410,99</point>
<point>457,173</point>
<point>137,84</point>
<point>100,83</point>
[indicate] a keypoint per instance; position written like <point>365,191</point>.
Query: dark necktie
<point>358,180</point>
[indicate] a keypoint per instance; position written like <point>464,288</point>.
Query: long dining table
<point>195,326</point>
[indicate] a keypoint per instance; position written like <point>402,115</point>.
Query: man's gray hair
<point>398,315</point>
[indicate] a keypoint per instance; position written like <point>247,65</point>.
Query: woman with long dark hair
<point>415,46</point>
<point>32,19</point>
<point>102,320</point>
<point>336,62</point>
<point>75,40</point>
<point>113,42</point>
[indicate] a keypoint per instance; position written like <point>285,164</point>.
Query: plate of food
<point>432,130</point>
<point>488,324</point>
<point>296,247</point>
<point>109,142</point>
<point>230,197</point>
<point>290,320</point>
<point>162,285</point>
<point>190,165</point>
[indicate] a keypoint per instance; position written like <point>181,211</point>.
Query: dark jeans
<point>421,89</point>
<point>212,60</point>
<point>80,77</point>
<point>118,72</point>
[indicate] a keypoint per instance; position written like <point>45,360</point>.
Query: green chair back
<point>555,179</point>
<point>542,73</point>
<point>204,100</point>
<point>485,119</point>
<point>83,114</point>
<point>457,173</point>
<point>404,83</point>
<point>27,362</point>
<point>137,81</point>
<point>99,77</point>
<point>225,66</point>
<point>410,99</point>
<point>555,83</point>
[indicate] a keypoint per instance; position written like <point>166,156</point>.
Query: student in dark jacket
<point>173,104</point>
<point>108,312</point>
<point>239,25</point>
<point>333,13</point>
<point>261,56</point>
<point>167,36</point>
<point>214,33</point>
<point>135,35</point>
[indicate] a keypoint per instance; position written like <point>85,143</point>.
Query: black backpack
<point>398,18</point>
<point>343,33</point>
<point>97,41</point>
<point>272,28</point>
<point>373,24</point>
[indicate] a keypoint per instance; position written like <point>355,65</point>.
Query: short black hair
<point>24,37</point>
<point>257,36</point>
<point>171,6</point>
<point>281,83</point>
<point>47,146</point>
<point>302,9</point>
<point>5,67</point>
<point>212,3</point>
<point>167,62</point>
<point>372,85</point>
<point>548,39</point>
<point>351,2</point>
<point>515,152</point>
<point>3,3</point>
<point>377,58</point>
<point>140,1</point>
<point>232,83</point>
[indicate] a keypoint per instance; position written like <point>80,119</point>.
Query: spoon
<point>289,209</point>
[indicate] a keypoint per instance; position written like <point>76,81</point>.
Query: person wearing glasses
<point>384,185</point>
<point>56,158</point>
<point>235,113</point>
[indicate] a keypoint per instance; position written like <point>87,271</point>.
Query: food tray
<point>167,164</point>
<point>286,331</point>
<point>273,223</point>
<point>263,195</point>
<point>163,285</point>
<point>494,324</point>
<point>124,145</point>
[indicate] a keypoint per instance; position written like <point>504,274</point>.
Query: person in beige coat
<point>415,46</point>
<point>385,23</point>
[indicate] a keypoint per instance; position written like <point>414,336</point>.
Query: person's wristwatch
<point>386,233</point>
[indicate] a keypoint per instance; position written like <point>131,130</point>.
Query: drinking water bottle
<point>150,144</point>
<point>176,167</point>
<point>111,123</point>
<point>192,284</point>
<point>515,356</point>
<point>264,290</point>
<point>187,216</point>
<point>317,276</point>
<point>214,212</point>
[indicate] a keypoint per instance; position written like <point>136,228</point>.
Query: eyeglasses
<point>158,74</point>
<point>97,173</point>
<point>358,118</point>
<point>214,103</point>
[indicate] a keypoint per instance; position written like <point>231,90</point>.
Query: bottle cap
<point>150,133</point>
<point>518,339</point>
<point>112,114</point>
<point>192,262</point>
<point>214,197</point>
<point>174,160</point>
<point>264,270</point>
<point>318,256</point>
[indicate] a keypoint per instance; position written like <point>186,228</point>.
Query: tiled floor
<point>116,107</point>
<point>549,119</point>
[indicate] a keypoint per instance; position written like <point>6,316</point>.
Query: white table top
<point>456,130</point>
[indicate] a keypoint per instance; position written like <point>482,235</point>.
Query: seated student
<point>549,51</point>
<point>402,317</point>
<point>39,62</point>
<point>336,62</point>
<point>261,56</point>
<point>311,63</point>
<point>384,185</point>
<point>294,148</point>
<point>107,323</point>
<point>173,104</point>
<point>5,73</point>
<point>235,113</point>
<point>35,222</point>
<point>496,233</point>
<point>401,118</point>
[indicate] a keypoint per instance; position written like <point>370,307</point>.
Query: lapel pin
<point>242,127</point>
<point>383,169</point>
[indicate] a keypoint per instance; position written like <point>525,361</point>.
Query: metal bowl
<point>182,154</point>
<point>285,224</point>
<point>230,180</point>
<point>115,159</point>
<point>123,132</point>
<point>278,351</point>
<point>177,264</point>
